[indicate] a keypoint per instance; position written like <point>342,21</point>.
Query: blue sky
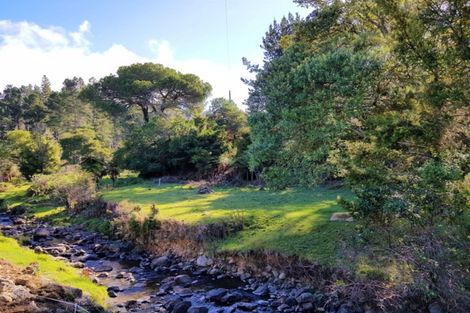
<point>186,34</point>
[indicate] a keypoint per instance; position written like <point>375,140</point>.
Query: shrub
<point>71,186</point>
<point>8,171</point>
<point>133,223</point>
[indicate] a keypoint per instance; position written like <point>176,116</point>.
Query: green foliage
<point>373,92</point>
<point>152,87</point>
<point>71,186</point>
<point>82,147</point>
<point>33,153</point>
<point>175,146</point>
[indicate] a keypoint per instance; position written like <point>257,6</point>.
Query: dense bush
<point>33,153</point>
<point>176,146</point>
<point>71,186</point>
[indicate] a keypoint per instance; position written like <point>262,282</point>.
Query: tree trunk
<point>145,111</point>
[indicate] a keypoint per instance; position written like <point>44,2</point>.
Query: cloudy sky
<point>91,38</point>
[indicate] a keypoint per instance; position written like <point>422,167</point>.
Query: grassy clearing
<point>56,270</point>
<point>292,221</point>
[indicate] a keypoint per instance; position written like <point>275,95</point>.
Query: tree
<point>231,120</point>
<point>151,87</point>
<point>35,154</point>
<point>172,146</point>
<point>82,147</point>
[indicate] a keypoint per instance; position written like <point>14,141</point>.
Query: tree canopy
<point>152,87</point>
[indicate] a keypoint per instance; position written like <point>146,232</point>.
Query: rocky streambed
<point>140,282</point>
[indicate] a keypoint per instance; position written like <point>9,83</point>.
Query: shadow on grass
<point>293,221</point>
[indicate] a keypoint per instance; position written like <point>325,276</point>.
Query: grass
<point>292,221</point>
<point>56,270</point>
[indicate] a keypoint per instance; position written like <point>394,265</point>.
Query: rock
<point>72,293</point>
<point>41,233</point>
<point>103,275</point>
<point>204,190</point>
<point>5,298</point>
<point>307,306</point>
<point>232,297</point>
<point>103,268</point>
<point>247,306</point>
<point>184,292</point>
<point>20,293</point>
<point>341,217</point>
<point>345,308</point>
<point>112,294</point>
<point>305,298</point>
<point>181,307</point>
<point>183,280</point>
<point>282,276</point>
<point>291,302</point>
<point>114,288</point>
<point>199,309</point>
<point>216,294</point>
<point>78,265</point>
<point>262,291</point>
<point>203,261</point>
<point>435,308</point>
<point>18,210</point>
<point>38,250</point>
<point>162,261</point>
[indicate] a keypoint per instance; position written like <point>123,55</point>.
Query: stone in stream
<point>112,294</point>
<point>216,295</point>
<point>41,233</point>
<point>181,307</point>
<point>162,261</point>
<point>262,291</point>
<point>305,298</point>
<point>183,280</point>
<point>102,268</point>
<point>246,306</point>
<point>200,309</point>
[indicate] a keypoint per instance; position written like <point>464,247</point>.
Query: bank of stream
<point>140,282</point>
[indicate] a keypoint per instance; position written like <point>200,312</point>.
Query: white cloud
<point>28,51</point>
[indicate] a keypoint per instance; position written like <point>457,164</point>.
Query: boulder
<point>216,295</point>
<point>305,298</point>
<point>181,307</point>
<point>204,261</point>
<point>262,291</point>
<point>204,190</point>
<point>341,217</point>
<point>102,268</point>
<point>183,280</point>
<point>162,261</point>
<point>41,233</point>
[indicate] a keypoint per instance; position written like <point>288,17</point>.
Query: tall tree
<point>151,87</point>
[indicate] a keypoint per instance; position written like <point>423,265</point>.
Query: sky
<point>91,38</point>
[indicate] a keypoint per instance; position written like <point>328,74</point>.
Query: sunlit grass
<point>56,270</point>
<point>293,221</point>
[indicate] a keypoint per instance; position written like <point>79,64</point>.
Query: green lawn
<point>57,270</point>
<point>292,221</point>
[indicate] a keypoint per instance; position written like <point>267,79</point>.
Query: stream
<point>140,282</point>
